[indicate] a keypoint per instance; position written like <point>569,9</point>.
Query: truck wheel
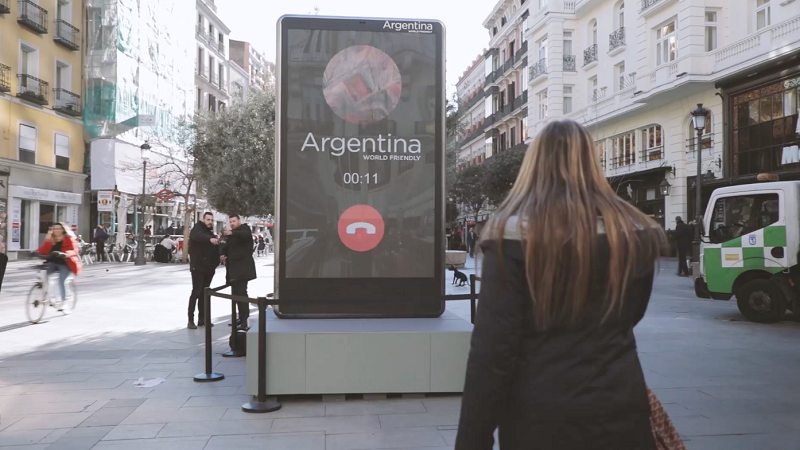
<point>761,301</point>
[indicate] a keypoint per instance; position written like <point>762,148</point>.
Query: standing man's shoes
<point>200,323</point>
<point>191,325</point>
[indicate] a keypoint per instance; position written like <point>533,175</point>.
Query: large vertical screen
<point>361,153</point>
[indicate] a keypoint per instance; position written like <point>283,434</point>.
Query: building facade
<point>239,84</point>
<point>212,66</point>
<point>42,150</point>
<point>471,110</point>
<point>632,72</point>
<point>139,86</point>
<point>260,71</point>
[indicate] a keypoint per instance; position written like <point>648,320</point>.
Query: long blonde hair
<point>562,204</point>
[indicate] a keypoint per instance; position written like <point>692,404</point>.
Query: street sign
<point>164,195</point>
<point>147,121</point>
<point>105,201</point>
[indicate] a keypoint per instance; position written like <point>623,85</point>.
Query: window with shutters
<point>27,143</point>
<point>62,151</point>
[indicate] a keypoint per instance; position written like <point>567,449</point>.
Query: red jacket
<point>68,247</point>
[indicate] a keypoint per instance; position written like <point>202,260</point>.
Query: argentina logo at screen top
<point>411,27</point>
<point>367,145</point>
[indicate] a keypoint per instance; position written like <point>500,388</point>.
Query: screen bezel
<point>357,297</point>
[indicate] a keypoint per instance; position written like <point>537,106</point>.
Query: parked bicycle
<point>45,292</point>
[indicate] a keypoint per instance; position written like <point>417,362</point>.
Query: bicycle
<point>41,295</point>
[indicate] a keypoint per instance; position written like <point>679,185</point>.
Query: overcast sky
<point>254,21</point>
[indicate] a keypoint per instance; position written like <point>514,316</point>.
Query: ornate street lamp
<point>699,117</point>
<point>664,186</point>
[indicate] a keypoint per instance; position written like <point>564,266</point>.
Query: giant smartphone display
<point>360,167</point>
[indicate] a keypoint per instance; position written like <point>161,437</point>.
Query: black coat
<point>239,251</point>
<point>203,255</point>
<point>558,389</point>
<point>683,236</point>
<point>100,235</point>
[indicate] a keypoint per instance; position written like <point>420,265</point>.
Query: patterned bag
<point>664,433</point>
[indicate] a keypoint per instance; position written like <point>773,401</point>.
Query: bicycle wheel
<point>36,304</point>
<point>68,305</point>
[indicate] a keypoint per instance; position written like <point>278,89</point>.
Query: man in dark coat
<point>241,268</point>
<point>100,238</point>
<point>203,262</point>
<point>683,239</point>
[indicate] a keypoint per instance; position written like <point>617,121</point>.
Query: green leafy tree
<point>234,152</point>
<point>469,189</point>
<point>452,132</point>
<point>501,173</point>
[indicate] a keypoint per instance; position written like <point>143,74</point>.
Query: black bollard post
<point>261,404</point>
<point>209,375</point>
<point>472,298</point>
<point>234,351</point>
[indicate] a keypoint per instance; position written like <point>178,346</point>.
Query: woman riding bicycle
<point>61,252</point>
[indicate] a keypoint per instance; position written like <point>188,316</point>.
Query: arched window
<point>620,17</point>
<point>593,32</point>
<point>652,143</point>
<point>706,142</point>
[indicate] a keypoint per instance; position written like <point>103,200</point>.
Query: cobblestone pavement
<point>67,384</point>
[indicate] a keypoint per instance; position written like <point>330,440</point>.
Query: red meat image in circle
<point>362,84</point>
<point>361,228</point>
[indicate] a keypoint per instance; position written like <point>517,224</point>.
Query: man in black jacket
<point>203,262</point>
<point>683,239</point>
<point>100,238</point>
<point>241,268</point>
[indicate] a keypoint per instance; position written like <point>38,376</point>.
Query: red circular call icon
<point>361,228</point>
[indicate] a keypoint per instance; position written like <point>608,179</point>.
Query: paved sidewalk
<point>68,384</point>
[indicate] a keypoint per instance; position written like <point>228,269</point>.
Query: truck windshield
<point>737,216</point>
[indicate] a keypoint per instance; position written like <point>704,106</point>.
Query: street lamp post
<point>699,117</point>
<point>140,259</point>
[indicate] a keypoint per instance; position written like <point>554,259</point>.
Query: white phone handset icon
<point>351,229</point>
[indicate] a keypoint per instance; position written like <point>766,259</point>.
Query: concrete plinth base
<point>361,356</point>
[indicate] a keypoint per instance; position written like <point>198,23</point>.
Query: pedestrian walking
<point>239,263</point>
<point>472,240</point>
<point>553,361</point>
<point>683,240</point>
<point>100,238</point>
<point>262,246</point>
<point>203,262</point>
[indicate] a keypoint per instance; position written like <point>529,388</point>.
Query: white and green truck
<point>750,249</point>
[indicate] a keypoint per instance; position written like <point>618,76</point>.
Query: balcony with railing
<point>201,32</point>
<point>67,35</point>
<point>616,41</point>
<point>4,8</point>
<point>221,47</point>
<point>509,64</point>
<point>597,94</point>
<point>646,4</point>
<point>32,89</point>
<point>590,55</point>
<point>569,63</point>
<point>203,72</point>
<point>213,78</point>
<point>652,154</point>
<point>222,84</point>
<point>66,102</point>
<point>5,78</point>
<point>32,16</point>
<point>523,50</point>
<point>538,69</point>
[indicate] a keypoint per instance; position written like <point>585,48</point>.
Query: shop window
<point>27,144</point>
<point>623,149</point>
<point>764,121</point>
<point>62,151</point>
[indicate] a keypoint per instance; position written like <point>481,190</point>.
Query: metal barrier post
<point>234,351</point>
<point>261,403</point>
<point>209,375</point>
<point>472,278</point>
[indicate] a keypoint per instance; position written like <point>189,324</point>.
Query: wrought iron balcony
<point>538,69</point>
<point>32,89</point>
<point>221,47</point>
<point>616,39</point>
<point>569,63</point>
<point>67,35</point>
<point>32,16</point>
<point>523,49</point>
<point>626,81</point>
<point>5,74</point>
<point>648,3</point>
<point>597,94</point>
<point>66,102</point>
<point>4,8</point>
<point>590,55</point>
